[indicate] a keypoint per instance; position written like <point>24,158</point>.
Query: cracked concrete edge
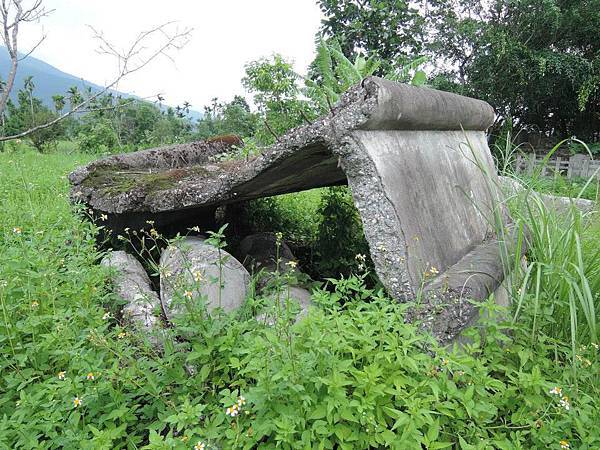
<point>381,224</point>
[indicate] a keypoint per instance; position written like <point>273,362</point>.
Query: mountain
<point>49,80</point>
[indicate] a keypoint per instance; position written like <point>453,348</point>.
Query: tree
<point>238,119</point>
<point>97,136</point>
<point>28,112</point>
<point>29,86</point>
<point>333,73</point>
<point>59,102</point>
<point>391,29</point>
<point>15,13</point>
<point>275,87</point>
<point>537,62</point>
<point>234,117</point>
<point>115,123</point>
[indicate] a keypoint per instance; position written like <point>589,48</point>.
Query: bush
<point>97,137</point>
<point>46,138</point>
<point>340,235</point>
<point>30,112</point>
<point>576,147</point>
<point>322,225</point>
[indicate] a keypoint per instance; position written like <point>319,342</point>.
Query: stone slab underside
<point>417,163</point>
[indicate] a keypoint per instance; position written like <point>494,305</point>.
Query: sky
<point>226,35</point>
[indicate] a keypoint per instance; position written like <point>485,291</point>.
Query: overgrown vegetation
<point>321,225</point>
<point>563,267</point>
<point>350,375</point>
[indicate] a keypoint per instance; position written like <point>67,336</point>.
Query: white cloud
<point>227,34</point>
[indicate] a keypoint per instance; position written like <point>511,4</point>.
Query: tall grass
<point>561,279</point>
<point>557,287</point>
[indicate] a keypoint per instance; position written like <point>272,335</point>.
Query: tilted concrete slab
<point>417,163</point>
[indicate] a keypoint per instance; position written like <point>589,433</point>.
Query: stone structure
<point>201,270</point>
<point>132,284</point>
<point>417,163</point>
<point>263,251</point>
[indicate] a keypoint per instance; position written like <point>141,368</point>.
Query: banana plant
<point>336,73</point>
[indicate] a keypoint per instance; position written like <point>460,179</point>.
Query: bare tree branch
<point>134,58</point>
<point>33,49</point>
<point>13,14</point>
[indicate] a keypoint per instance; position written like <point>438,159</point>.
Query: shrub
<point>97,137</point>
<point>46,138</point>
<point>340,235</point>
<point>322,225</point>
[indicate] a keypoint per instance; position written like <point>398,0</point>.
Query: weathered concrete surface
<point>417,163</point>
<point>434,194</point>
<point>133,285</point>
<point>165,181</point>
<point>192,270</point>
<point>446,308</point>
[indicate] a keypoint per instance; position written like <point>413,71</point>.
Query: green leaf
<point>419,78</point>
<point>319,412</point>
<point>346,414</point>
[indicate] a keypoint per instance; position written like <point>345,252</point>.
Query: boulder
<point>133,285</point>
<point>264,251</point>
<point>192,271</point>
<point>289,296</point>
<point>267,252</point>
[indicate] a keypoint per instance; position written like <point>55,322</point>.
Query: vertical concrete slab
<point>437,191</point>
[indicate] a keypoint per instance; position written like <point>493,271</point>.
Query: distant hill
<point>49,80</point>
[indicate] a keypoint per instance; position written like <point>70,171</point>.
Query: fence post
<point>586,168</point>
<point>577,165</point>
<point>530,164</point>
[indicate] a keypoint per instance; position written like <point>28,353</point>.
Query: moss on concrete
<point>115,181</point>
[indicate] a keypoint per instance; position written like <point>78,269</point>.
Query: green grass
<point>296,215</point>
<point>561,280</point>
<point>350,375</point>
<point>565,187</point>
<point>557,292</point>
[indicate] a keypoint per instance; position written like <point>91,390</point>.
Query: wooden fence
<point>571,167</point>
